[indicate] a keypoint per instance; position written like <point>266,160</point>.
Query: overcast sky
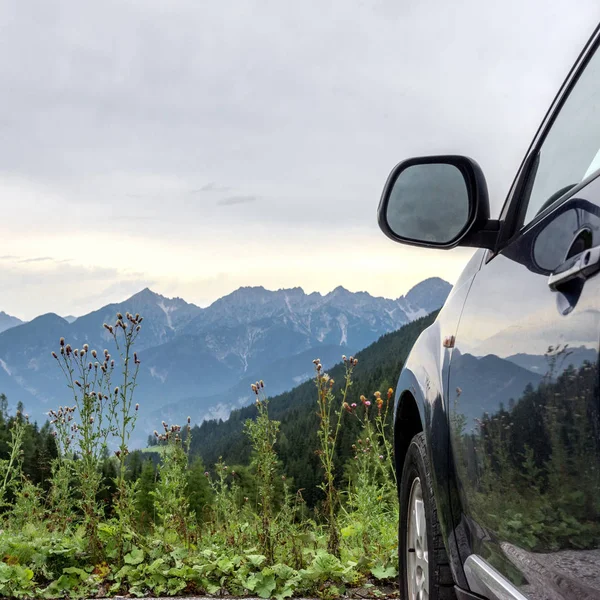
<point>198,146</point>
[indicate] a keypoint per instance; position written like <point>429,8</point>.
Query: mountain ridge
<point>198,360</point>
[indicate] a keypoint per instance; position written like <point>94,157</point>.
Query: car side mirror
<point>437,202</point>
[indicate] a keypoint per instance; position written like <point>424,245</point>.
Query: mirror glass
<point>429,203</point>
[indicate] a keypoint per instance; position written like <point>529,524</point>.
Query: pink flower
<point>368,403</point>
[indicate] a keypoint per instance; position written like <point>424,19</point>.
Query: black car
<point>497,421</point>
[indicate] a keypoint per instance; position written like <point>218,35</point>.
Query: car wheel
<point>424,569</point>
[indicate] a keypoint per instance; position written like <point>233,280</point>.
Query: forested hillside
<point>378,368</point>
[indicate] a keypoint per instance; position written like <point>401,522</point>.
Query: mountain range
<point>200,361</point>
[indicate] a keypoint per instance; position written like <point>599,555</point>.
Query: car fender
<point>424,377</point>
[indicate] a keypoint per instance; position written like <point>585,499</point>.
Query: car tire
<point>424,565</point>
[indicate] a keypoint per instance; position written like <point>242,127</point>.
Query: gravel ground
<point>571,573</point>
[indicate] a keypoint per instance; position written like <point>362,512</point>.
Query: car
<point>497,408</point>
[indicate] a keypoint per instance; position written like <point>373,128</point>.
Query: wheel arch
<point>408,423</point>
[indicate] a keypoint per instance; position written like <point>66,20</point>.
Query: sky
<point>195,147</point>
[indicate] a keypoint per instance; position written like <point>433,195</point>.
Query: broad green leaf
<point>382,572</point>
<point>135,557</point>
<point>265,586</point>
<point>256,559</point>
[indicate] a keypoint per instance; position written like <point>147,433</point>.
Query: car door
<point>523,381</point>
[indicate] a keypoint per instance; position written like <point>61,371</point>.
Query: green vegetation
<point>84,516</point>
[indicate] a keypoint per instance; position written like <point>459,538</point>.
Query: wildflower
<point>76,352</point>
<point>363,398</point>
<point>118,453</point>
<point>119,316</point>
<point>155,433</point>
<point>355,362</point>
<point>137,406</point>
<point>344,357</point>
<point>390,393</point>
<point>262,383</point>
<point>112,364</point>
<point>189,420</point>
<point>254,389</point>
<point>346,406</point>
<point>90,367</point>
<point>116,390</point>
<point>353,405</point>
<point>381,457</point>
<point>367,403</point>
<point>379,403</point>
<point>94,353</point>
<point>85,347</point>
<point>77,383</point>
<point>105,352</point>
<point>91,420</point>
<point>62,341</point>
<point>54,355</point>
<point>245,498</point>
<point>377,394</point>
<point>206,473</point>
<point>139,327</point>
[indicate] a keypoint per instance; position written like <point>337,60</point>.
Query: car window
<point>570,152</point>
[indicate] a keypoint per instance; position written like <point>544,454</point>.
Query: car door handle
<point>580,266</point>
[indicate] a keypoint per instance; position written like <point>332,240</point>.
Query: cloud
<point>129,135</point>
<point>232,200</point>
<point>211,187</point>
<point>37,259</point>
<point>9,257</point>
